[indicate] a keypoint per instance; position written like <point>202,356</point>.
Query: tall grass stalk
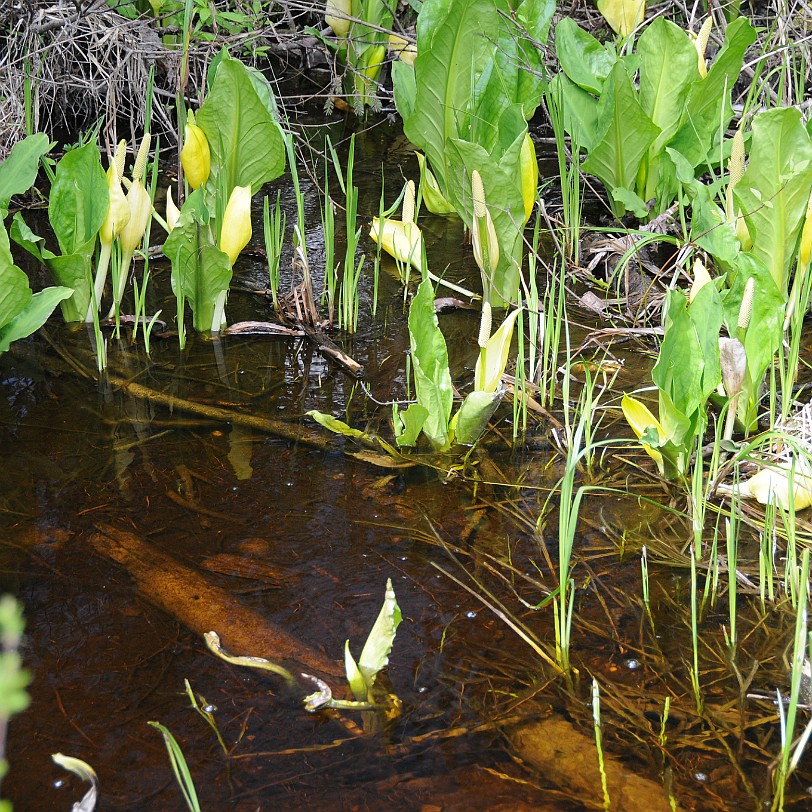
<point>596,719</point>
<point>695,635</point>
<point>645,582</point>
<point>786,760</point>
<point>351,275</point>
<point>273,226</point>
<point>732,550</point>
<point>766,564</point>
<point>568,172</point>
<point>179,767</point>
<point>520,386</point>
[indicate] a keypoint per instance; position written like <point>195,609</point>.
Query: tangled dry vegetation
<point>66,63</point>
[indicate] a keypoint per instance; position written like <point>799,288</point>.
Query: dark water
<point>319,533</point>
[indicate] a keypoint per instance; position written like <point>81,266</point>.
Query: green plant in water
<point>179,767</point>
<point>77,207</point>
<point>629,133</point>
<point>465,103</point>
<point>21,311</point>
<point>238,122</point>
<point>360,43</point>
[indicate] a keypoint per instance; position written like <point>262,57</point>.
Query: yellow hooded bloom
<point>403,49</point>
<point>139,203</point>
<point>401,239</point>
<point>483,233</point>
<point>337,15</point>
<point>432,195</point>
<point>172,211</point>
<point>640,419</point>
<point>530,175</point>
<point>195,157</point>
<point>806,236</point>
<point>623,15</point>
<point>118,212</point>
<point>773,485</point>
<point>236,230</point>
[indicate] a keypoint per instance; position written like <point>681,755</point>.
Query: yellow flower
<point>640,419</point>
<point>701,278</point>
<point>773,485</point>
<point>138,202</point>
<point>118,212</point>
<point>432,195</point>
<point>530,175</point>
<point>337,15</point>
<point>195,157</point>
<point>483,233</point>
<point>236,230</point>
<point>172,211</point>
<point>806,236</point>
<point>701,43</point>
<point>403,49</point>
<point>623,15</point>
<point>401,239</point>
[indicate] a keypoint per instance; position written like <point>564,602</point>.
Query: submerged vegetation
<point>628,486</point>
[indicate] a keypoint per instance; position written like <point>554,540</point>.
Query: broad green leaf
<point>469,423</point>
<point>15,293</point>
<point>200,271</point>
<point>25,238</point>
<point>452,54</point>
<point>774,190</point>
<point>503,195</point>
<point>580,110</point>
<point>430,366</point>
<point>631,201</point>
<point>762,337</point>
<point>79,199</point>
<point>409,423</point>
<point>375,654</point>
<point>73,271</point>
<point>668,69</point>
<point>583,59</point>
<point>33,315</point>
<point>338,426</point>
<point>244,137</point>
<point>624,134</point>
<point>405,88</point>
<point>19,171</point>
<point>688,370</point>
<point>708,110</point>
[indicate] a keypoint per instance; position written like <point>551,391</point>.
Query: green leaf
<point>79,200</point>
<point>405,88</point>
<point>19,171</point>
<point>338,426</point>
<point>583,59</point>
<point>774,191</point>
<point>243,134</point>
<point>688,369</point>
<point>15,293</point>
<point>201,272</point>
<point>668,69</point>
<point>580,110</point>
<point>469,423</point>
<point>409,423</point>
<point>430,366</point>
<point>33,315</point>
<point>624,135</point>
<point>501,179</point>
<point>375,654</point>
<point>708,110</point>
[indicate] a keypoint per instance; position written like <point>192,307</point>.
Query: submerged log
<point>569,759</point>
<point>202,606</point>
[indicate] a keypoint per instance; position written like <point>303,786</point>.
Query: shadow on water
<point>306,537</point>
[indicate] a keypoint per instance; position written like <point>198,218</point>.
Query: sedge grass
<point>179,767</point>
<point>596,720</point>
<point>273,227</point>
